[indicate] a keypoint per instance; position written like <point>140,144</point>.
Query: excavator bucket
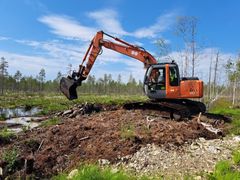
<point>69,88</point>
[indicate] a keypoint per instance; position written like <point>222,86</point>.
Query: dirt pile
<point>88,136</point>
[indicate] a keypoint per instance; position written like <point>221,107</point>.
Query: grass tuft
<point>6,135</point>
<point>94,172</point>
<point>224,170</point>
<point>127,131</point>
<point>50,122</point>
<point>236,157</point>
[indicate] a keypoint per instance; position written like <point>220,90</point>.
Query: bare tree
<point>215,74</point>
<point>69,69</point>
<point>187,29</point>
<point>233,71</point>
<point>164,49</point>
<point>209,80</point>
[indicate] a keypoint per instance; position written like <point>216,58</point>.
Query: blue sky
<point>51,34</point>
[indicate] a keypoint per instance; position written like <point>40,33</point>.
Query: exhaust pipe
<point>68,87</point>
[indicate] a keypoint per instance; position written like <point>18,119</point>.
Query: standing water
<point>19,112</point>
<point>19,118</point>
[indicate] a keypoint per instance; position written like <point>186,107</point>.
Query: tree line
<point>105,85</point>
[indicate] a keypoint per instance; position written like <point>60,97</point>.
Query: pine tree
<point>3,73</point>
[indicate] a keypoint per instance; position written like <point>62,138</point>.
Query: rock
<point>201,139</point>
<point>103,162</point>
<point>114,170</point>
<point>78,116</point>
<point>195,146</point>
<point>236,138</point>
<point>67,112</point>
<point>212,149</point>
<point>197,178</point>
<point>72,174</point>
<point>59,113</point>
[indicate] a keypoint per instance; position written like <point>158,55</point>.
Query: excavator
<point>162,82</point>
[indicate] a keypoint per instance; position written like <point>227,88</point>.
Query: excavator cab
<point>160,79</point>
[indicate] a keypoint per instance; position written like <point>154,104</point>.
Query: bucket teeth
<point>69,88</point>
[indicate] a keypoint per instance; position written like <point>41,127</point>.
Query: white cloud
<point>2,38</point>
<point>58,49</point>
<point>67,27</point>
<point>108,21</point>
<point>162,24</point>
<point>31,65</point>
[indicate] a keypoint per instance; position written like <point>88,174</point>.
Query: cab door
<point>172,81</point>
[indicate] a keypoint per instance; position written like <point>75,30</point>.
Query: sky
<point>52,34</point>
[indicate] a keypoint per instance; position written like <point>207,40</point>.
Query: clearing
<point>108,134</point>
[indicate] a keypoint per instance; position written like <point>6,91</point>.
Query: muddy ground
<point>110,133</point>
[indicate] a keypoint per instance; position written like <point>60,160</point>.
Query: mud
<point>111,133</point>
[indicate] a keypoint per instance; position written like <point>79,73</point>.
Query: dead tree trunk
<point>215,75</point>
<point>209,80</point>
<point>234,91</point>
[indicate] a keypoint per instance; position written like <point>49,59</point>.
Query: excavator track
<point>178,109</point>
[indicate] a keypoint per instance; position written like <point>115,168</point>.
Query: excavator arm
<point>68,85</point>
<point>124,48</point>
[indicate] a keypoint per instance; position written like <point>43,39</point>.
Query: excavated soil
<point>112,133</point>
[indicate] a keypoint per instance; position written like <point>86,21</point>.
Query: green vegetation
<point>227,170</point>
<point>2,117</point>
<point>6,135</point>
<point>10,157</point>
<point>57,102</point>
<point>25,128</point>
<point>224,170</point>
<point>93,172</point>
<point>50,122</point>
<point>127,131</point>
<point>236,157</point>
<point>223,106</point>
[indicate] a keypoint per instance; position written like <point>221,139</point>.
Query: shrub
<point>10,157</point>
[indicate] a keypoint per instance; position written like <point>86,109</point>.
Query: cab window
<point>173,76</point>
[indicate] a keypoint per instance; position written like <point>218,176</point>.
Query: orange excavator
<point>162,82</point>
